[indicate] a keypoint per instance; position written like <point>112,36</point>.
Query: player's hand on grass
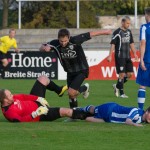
<point>138,125</point>
<point>42,101</point>
<point>40,111</point>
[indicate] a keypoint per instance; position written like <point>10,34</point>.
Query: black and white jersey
<point>122,40</point>
<point>72,56</point>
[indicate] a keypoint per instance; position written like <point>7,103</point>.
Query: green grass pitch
<point>59,135</point>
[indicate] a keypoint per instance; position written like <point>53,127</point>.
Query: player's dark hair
<point>2,95</point>
<point>148,109</point>
<point>125,18</point>
<point>63,33</point>
<point>147,11</point>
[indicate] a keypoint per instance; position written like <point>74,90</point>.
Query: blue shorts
<point>143,77</point>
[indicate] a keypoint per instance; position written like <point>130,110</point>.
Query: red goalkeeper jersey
<point>21,109</point>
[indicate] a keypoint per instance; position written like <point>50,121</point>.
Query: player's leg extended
<point>73,113</point>
<point>56,113</point>
<point>4,63</point>
<point>42,83</point>
<point>3,58</point>
<point>74,82</point>
<point>39,88</point>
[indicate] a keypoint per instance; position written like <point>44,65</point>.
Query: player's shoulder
<point>129,31</point>
<point>117,31</point>
<point>15,96</point>
<point>5,37</point>
<point>146,25</point>
<point>54,42</point>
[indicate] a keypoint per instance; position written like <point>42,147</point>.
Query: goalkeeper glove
<point>39,111</point>
<point>42,101</point>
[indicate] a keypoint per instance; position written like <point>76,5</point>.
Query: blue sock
<point>141,98</point>
<point>86,109</point>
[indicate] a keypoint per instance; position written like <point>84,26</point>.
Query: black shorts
<point>3,55</point>
<point>123,65</point>
<point>52,115</point>
<point>75,79</point>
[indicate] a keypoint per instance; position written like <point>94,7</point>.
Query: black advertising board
<point>31,64</point>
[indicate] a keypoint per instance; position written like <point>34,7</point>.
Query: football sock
<point>38,89</point>
<point>120,85</point>
<point>82,89</point>
<point>77,114</point>
<point>86,109</point>
<point>141,98</point>
<point>125,79</point>
<point>73,103</point>
<point>53,87</point>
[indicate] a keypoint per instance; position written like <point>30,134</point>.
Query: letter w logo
<point>108,71</point>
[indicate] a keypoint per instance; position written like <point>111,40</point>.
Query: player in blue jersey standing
<point>115,113</point>
<point>143,76</point>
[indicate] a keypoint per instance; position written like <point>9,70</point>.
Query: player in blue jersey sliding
<point>143,76</point>
<point>115,113</point>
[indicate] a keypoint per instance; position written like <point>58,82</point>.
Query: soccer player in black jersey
<point>122,41</point>
<point>71,55</point>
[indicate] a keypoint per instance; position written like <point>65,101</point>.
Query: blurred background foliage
<point>61,14</point>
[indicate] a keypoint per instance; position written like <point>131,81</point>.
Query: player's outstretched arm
<point>101,32</point>
<point>92,119</point>
<point>130,122</point>
<point>45,47</point>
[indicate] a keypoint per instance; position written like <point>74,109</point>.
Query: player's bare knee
<point>65,112</point>
<point>121,75</point>
<point>72,93</point>
<point>129,75</point>
<point>44,80</point>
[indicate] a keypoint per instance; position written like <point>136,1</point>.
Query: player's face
<point>64,41</point>
<point>9,97</point>
<point>126,24</point>
<point>147,117</point>
<point>12,34</point>
<point>146,18</point>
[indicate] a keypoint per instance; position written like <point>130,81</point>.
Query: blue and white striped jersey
<point>145,35</point>
<point>112,112</point>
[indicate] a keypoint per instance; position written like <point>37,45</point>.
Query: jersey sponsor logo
<point>17,102</point>
<point>121,68</point>
<point>69,54</point>
<point>126,39</point>
<point>19,60</point>
<point>71,47</point>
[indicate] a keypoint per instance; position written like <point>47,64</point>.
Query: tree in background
<point>57,15</point>
<point>63,13</point>
<point>6,5</point>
